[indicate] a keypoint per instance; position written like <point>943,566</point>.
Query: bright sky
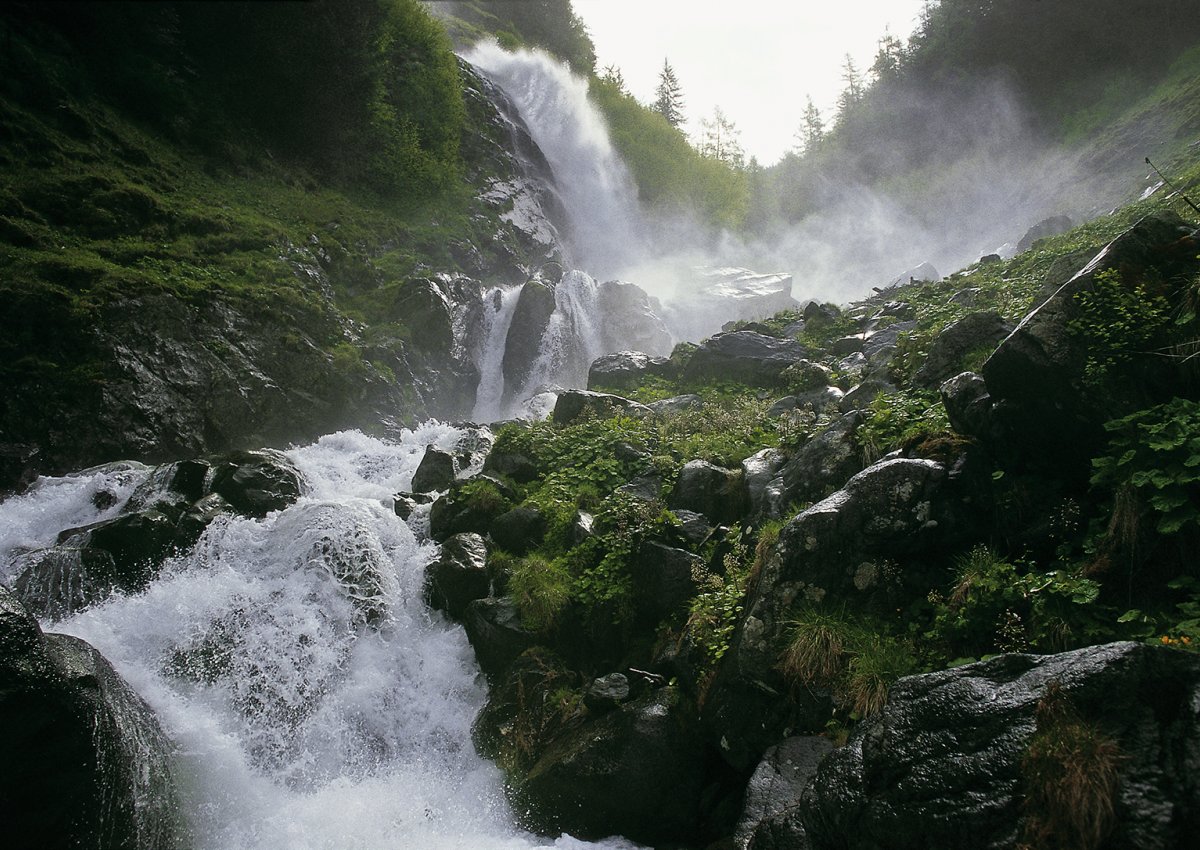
<point>756,59</point>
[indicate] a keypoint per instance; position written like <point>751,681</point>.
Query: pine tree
<point>888,59</point>
<point>812,128</point>
<point>669,96</point>
<point>613,76</point>
<point>719,139</point>
<point>853,93</point>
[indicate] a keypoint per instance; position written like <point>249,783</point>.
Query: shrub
<point>894,419</point>
<point>541,589</point>
<point>1118,321</point>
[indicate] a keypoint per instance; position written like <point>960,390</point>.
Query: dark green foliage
<point>900,418</point>
<point>1118,321</point>
<point>1156,454</point>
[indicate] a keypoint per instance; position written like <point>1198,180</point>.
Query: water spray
<point>1175,189</point>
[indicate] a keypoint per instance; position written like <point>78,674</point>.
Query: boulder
<point>606,693</point>
<point>819,467</point>
<point>405,504</point>
<point>846,345</point>
<point>629,318</point>
<point>256,482</point>
<point>519,530</point>
<point>469,505</point>
<point>664,580</point>
<point>85,762</point>
<point>459,575</point>
<point>805,375</point>
<point>496,633</point>
<point>435,472</point>
<point>693,527</point>
<point>530,318</point>
<point>968,405</point>
<point>941,765</point>
<point>1047,407</point>
<point>1045,228</point>
<point>834,549</point>
<point>949,349</point>
<point>711,490</point>
<point>636,771</point>
<point>573,404</point>
<point>758,471</point>
<point>625,369</point>
<point>745,357</point>
<point>769,812</point>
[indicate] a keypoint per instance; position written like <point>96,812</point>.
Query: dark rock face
<point>459,575</point>
<point>435,472</point>
<point>710,490</point>
<point>758,471</point>
<point>743,356</point>
<point>968,404</point>
<point>837,548</point>
<point>85,763</point>
<point>469,505</point>
<point>519,530</point>
<point>575,403</point>
<point>970,333</point>
<point>496,634</point>
<point>820,465</point>
<point>636,771</point>
<point>532,314</point>
<point>940,766</point>
<point>606,693</point>
<point>405,504</point>
<point>257,482</point>
<point>1036,377</point>
<point>770,820</point>
<point>676,404</point>
<point>664,579</point>
<point>625,369</point>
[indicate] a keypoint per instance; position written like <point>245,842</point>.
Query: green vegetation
<point>1118,321</point>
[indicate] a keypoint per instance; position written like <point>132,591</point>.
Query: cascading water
<point>604,223</point>
<point>499,305</point>
<point>572,338</point>
<point>315,700</point>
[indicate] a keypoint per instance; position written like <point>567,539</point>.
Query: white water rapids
<point>316,702</point>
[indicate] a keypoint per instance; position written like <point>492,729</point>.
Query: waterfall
<point>499,304</point>
<point>316,702</point>
<point>604,224</point>
<point>572,338</point>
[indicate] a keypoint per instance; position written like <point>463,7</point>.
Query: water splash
<point>604,222</point>
<point>315,700</point>
<point>499,306</point>
<point>572,338</point>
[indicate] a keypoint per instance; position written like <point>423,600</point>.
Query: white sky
<point>756,59</point>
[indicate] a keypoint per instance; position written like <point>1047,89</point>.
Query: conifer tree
<point>719,139</point>
<point>669,96</point>
<point>853,93</point>
<point>888,58</point>
<point>812,128</point>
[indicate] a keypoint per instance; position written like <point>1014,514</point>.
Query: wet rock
<point>86,763</point>
<point>694,528</point>
<point>636,771</point>
<point>846,345</point>
<point>496,633</point>
<point>435,472</point>
<point>860,396</point>
<point>878,345</point>
<point>743,356</point>
<point>459,575</point>
<point>805,375</point>
<point>256,482</point>
<point>582,527</point>
<point>816,313</point>
<point>405,504</point>
<point>136,544</point>
<point>940,766</point>
<point>519,530</point>
<point>951,347</point>
<point>572,404</point>
<point>624,370</point>
<point>711,490</point>
<point>769,819</point>
<point>758,471</point>
<point>530,317</point>
<point>18,467</point>
<point>606,693</point>
<point>646,487</point>
<point>968,405</point>
<point>820,466</point>
<point>469,505</point>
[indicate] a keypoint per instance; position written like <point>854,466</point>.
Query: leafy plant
<point>1117,320</point>
<point>541,587</point>
<point>1156,453</point>
<point>894,419</point>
